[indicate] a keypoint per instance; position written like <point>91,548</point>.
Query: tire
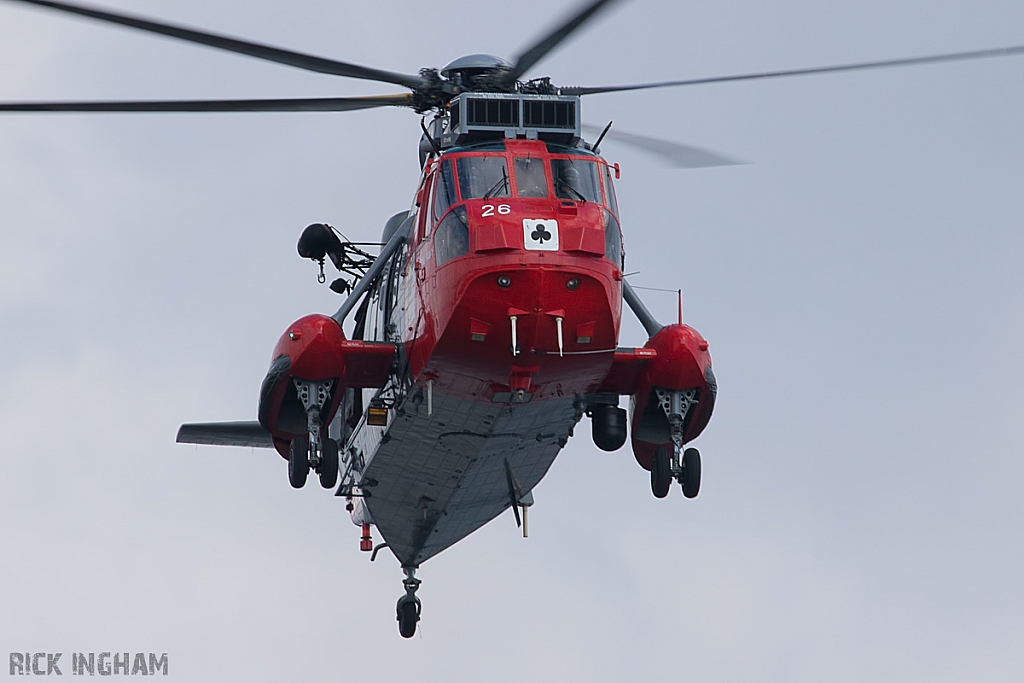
<point>329,464</point>
<point>609,427</point>
<point>689,478</point>
<point>661,472</point>
<point>298,462</point>
<point>408,615</point>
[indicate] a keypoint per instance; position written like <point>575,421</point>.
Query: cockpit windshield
<point>531,181</point>
<point>483,177</point>
<point>576,179</point>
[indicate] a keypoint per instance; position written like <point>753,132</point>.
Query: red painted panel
<point>368,363</point>
<point>492,237</point>
<point>627,371</point>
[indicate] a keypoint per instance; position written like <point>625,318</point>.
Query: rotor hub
<point>474,65</point>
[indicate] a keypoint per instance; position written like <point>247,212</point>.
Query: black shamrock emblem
<point>541,234</point>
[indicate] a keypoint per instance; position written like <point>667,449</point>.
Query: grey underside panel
<point>440,478</point>
<point>249,434</point>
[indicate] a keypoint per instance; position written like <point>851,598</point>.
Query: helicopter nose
<point>539,311</point>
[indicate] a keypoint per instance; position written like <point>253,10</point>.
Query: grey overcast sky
<point>859,283</point>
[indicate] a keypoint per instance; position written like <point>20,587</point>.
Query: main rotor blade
<point>273,54</point>
<point>293,104</point>
<point>676,154</point>
<point>911,61</point>
<point>538,50</point>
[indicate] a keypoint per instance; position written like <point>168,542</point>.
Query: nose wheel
<point>409,606</point>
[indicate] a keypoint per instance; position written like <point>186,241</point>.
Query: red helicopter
<point>487,326</point>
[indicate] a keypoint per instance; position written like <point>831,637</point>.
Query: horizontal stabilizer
<point>249,434</point>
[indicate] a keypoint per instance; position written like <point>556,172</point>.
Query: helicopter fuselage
<point>504,307</point>
<point>509,309</point>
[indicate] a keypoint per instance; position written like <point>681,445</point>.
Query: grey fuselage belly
<point>434,479</point>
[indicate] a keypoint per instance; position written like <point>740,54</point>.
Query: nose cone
<point>562,338</point>
<point>475,63</point>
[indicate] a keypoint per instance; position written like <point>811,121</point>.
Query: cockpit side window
<point>531,179</point>
<point>609,191</point>
<point>451,238</point>
<point>483,177</point>
<point>576,179</point>
<point>444,190</point>
<point>613,240</point>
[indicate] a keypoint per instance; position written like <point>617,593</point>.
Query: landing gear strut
<point>409,606</point>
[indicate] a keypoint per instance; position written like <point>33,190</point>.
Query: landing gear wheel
<point>329,464</point>
<point>661,472</point>
<point>408,615</point>
<point>689,478</point>
<point>298,461</point>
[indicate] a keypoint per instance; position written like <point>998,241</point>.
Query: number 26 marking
<point>503,209</point>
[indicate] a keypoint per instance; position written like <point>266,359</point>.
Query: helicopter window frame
<point>448,231</point>
<point>611,202</point>
<point>467,161</point>
<point>529,159</point>
<point>613,249</point>
<point>444,177</point>
<point>451,235</point>
<point>575,193</point>
<point>425,206</point>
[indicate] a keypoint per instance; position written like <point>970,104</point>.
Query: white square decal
<point>540,234</point>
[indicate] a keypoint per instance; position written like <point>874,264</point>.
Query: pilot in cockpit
<point>576,179</point>
<point>567,181</point>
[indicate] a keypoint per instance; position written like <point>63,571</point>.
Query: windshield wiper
<point>562,183</point>
<point>501,185</point>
